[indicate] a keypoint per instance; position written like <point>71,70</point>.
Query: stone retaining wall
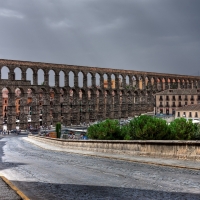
<point>178,149</point>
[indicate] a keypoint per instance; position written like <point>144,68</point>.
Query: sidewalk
<point>188,164</point>
<point>6,192</point>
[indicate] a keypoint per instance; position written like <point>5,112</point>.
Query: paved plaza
<point>46,174</point>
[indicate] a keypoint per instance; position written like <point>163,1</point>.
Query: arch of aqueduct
<point>131,94</point>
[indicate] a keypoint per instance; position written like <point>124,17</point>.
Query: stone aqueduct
<point>73,105</point>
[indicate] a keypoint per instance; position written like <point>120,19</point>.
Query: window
<point>178,115</point>
<point>179,104</point>
<point>167,98</point>
<point>167,104</point>
<point>184,115</point>
<point>186,103</point>
<point>19,102</point>
<point>186,98</point>
<point>198,97</point>
<point>192,98</point>
<point>179,97</point>
<point>161,98</point>
<point>196,114</point>
<point>173,98</point>
<point>174,105</point>
<point>5,101</point>
<point>190,114</point>
<point>192,102</point>
<point>161,104</point>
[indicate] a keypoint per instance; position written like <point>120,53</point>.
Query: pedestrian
<point>8,132</point>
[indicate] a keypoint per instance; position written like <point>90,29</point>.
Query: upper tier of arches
<point>59,75</point>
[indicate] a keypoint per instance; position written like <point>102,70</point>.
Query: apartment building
<point>169,100</point>
<point>189,112</point>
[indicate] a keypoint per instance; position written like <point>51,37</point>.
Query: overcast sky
<point>145,35</point>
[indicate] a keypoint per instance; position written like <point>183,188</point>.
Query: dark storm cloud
<point>146,35</point>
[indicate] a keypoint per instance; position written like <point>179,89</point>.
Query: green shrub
<point>145,128</point>
<point>148,128</point>
<point>196,135</point>
<point>125,132</point>
<point>181,129</point>
<point>106,130</point>
<point>58,129</point>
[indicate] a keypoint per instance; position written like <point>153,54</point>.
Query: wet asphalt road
<point>43,174</point>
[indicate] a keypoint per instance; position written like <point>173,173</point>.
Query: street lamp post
<point>80,110</point>
<point>51,120</point>
<point>45,128</point>
<point>88,110</point>
<point>71,110</point>
<point>28,125</point>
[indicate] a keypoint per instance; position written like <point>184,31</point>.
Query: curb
<point>13,187</point>
<point>122,159</point>
<point>154,163</point>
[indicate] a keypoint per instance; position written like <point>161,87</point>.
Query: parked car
<point>35,131</point>
<point>15,131</point>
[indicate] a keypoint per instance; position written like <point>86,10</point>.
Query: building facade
<point>189,112</point>
<point>169,100</point>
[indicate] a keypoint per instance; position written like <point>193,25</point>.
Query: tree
<point>196,135</point>
<point>125,132</point>
<point>181,129</point>
<point>148,128</point>
<point>106,130</point>
<point>145,128</point>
